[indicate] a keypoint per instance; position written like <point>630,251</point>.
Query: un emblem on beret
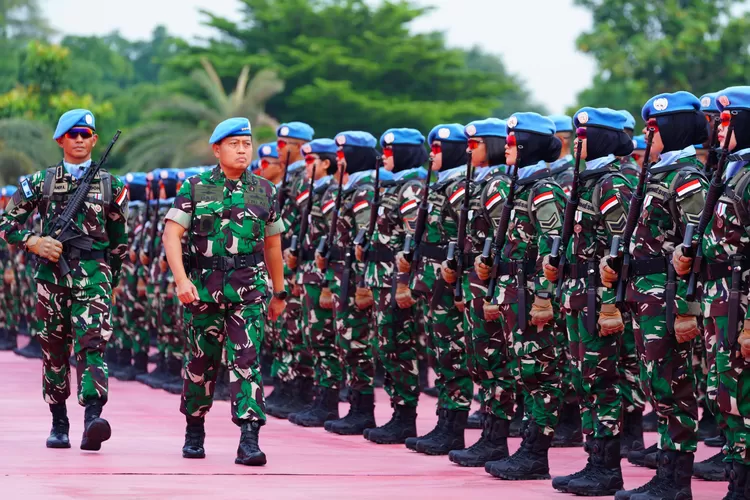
<point>341,140</point>
<point>471,130</point>
<point>89,119</point>
<point>724,100</point>
<point>706,102</point>
<point>306,149</point>
<point>266,150</point>
<point>635,144</point>
<point>583,117</point>
<point>444,133</point>
<point>164,174</point>
<point>129,177</point>
<point>180,174</point>
<point>512,122</point>
<point>389,138</point>
<point>661,104</point>
<point>284,131</point>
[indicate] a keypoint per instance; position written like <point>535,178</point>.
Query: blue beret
<point>708,103</point>
<point>8,190</point>
<point>491,127</point>
<point>268,150</point>
<point>296,130</point>
<point>733,98</point>
<point>600,117</point>
<point>74,118</point>
<point>320,146</point>
<point>254,165</point>
<point>531,122</point>
<point>231,127</point>
<point>667,104</point>
<point>405,136</point>
<point>135,178</point>
<point>165,173</point>
<point>629,119</point>
<point>639,142</point>
<point>563,123</point>
<point>356,138</point>
<point>451,132</point>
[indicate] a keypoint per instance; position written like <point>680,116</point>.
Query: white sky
<point>536,38</point>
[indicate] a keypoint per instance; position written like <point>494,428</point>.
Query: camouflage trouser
<point>137,327</point>
<point>321,338</point>
<point>700,366</point>
<point>629,366</point>
<point>397,348</point>
<point>668,371</point>
<point>301,364</point>
<point>120,339</point>
<point>209,324</point>
<point>78,318</point>
<point>489,359</point>
<point>539,367</point>
<point>570,386</point>
<point>354,335</point>
<point>595,360</point>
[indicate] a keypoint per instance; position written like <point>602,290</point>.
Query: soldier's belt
<point>646,267</point>
<point>433,251</point>
<point>307,255</point>
<point>720,270</point>
<point>511,268</point>
<point>380,254</point>
<point>575,271</point>
<point>338,254</point>
<point>225,263</point>
<point>76,254</point>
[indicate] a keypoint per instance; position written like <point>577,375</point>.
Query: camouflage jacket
<point>562,172</point>
<point>291,211</point>
<point>225,218</point>
<point>104,222</point>
<point>604,198</point>
<point>674,196</point>
<point>728,234</point>
<point>307,271</point>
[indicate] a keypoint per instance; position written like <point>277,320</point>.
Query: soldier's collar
<point>562,163</point>
<point>598,163</point>
<point>217,174</point>
<point>672,157</point>
<point>741,155</point>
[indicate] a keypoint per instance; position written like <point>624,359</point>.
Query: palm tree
<point>25,146</point>
<point>180,125</point>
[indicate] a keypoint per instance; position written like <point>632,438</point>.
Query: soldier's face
<point>436,154</point>
<point>290,147</point>
<point>77,143</point>
<point>388,162</point>
<point>723,137</point>
<point>657,146</point>
<point>234,152</point>
<point>478,150</point>
<point>511,150</point>
<point>270,168</point>
<point>584,143</point>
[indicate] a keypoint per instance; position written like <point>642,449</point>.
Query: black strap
<point>433,251</point>
<point>76,254</point>
<point>646,267</point>
<point>511,268</point>
<point>338,254</point>
<point>575,271</point>
<point>225,263</point>
<point>380,254</point>
<point>307,255</point>
<point>721,270</point>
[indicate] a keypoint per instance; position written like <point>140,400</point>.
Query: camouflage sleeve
<point>275,225</point>
<point>548,207</point>
<point>117,227</point>
<point>182,208</point>
<point>614,202</point>
<point>20,207</point>
<point>408,212</point>
<point>691,198</point>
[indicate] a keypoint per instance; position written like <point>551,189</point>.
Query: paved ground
<point>143,459</point>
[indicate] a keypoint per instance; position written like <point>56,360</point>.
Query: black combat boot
<point>361,416</point>
<point>707,426</point>
<point>154,377</point>
<point>475,420</point>
<point>96,430</point>
<point>452,424</point>
<point>672,480</point>
<point>639,457</point>
<point>283,394</point>
<point>271,400</point>
<point>248,452</point>
<point>411,442</point>
<point>195,436</point>
<point>711,469</point>
<point>716,442</point>
<point>739,486</point>
<point>324,408</point>
<point>517,422</point>
<point>33,349</point>
<point>604,477</point>
<point>650,422</point>
<point>124,359</point>
<point>379,380</point>
<point>631,437</point>
<point>139,366</point>
<point>433,392</point>
<point>344,394</point>
<point>174,373</point>
<point>560,483</point>
<point>568,432</point>
<point>58,436</point>
<point>402,425</point>
<point>304,392</point>
<point>221,391</point>
<point>529,462</point>
<point>8,340</point>
<point>492,445</point>
<point>110,355</point>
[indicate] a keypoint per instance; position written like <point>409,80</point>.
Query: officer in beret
<point>270,166</point>
<point>73,309</point>
<point>233,230</point>
<point>8,328</point>
<point>289,140</point>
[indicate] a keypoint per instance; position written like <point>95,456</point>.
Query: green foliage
<point>25,145</point>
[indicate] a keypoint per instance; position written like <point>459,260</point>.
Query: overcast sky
<point>536,38</point>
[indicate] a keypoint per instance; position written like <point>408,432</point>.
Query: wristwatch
<point>544,295</point>
<point>282,295</point>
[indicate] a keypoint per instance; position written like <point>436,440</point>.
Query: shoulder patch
<point>608,204</point>
<point>688,187</point>
<point>457,195</point>
<point>543,197</point>
<point>408,206</point>
<point>26,188</point>
<point>358,207</point>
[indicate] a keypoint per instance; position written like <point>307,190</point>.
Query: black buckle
<point>241,262</point>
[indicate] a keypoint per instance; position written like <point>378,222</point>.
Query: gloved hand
<point>404,266</point>
<point>45,247</point>
<point>491,311</point>
<point>145,261</point>
<point>610,320</point>
<point>403,296</point>
<point>541,311</point>
<point>291,260</point>
<point>141,287</point>
<point>682,265</point>
<point>363,298</point>
<point>326,298</point>
<point>744,340</point>
<point>132,256</point>
<point>359,253</point>
<point>608,275</point>
<point>685,328</point>
<point>482,269</point>
<point>449,275</point>
<point>550,271</point>
<point>320,261</point>
<point>9,277</point>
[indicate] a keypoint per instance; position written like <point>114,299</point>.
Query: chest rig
<point>58,188</point>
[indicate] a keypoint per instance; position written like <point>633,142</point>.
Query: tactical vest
<point>669,196</point>
<point>733,192</point>
<point>56,188</point>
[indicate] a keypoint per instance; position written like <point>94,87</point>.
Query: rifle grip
<point>554,255</point>
<point>486,251</point>
<point>64,268</point>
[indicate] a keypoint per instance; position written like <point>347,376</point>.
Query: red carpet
<point>143,458</point>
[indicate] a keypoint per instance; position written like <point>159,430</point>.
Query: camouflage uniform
<point>85,293</point>
<point>667,364</point>
<point>231,296</point>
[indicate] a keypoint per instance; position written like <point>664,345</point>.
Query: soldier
<point>601,197</point>
<point>8,326</point>
<point>537,217</point>
<point>233,232</point>
<point>665,323</point>
<point>403,154</point>
<point>73,309</point>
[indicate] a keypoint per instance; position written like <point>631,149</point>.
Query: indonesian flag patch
<point>457,194</point>
<point>543,197</point>
<point>328,206</point>
<point>360,206</point>
<point>608,205</point>
<point>408,206</point>
<point>497,198</point>
<point>721,209</point>
<point>566,189</point>
<point>688,187</point>
<point>120,198</point>
<point>303,196</point>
